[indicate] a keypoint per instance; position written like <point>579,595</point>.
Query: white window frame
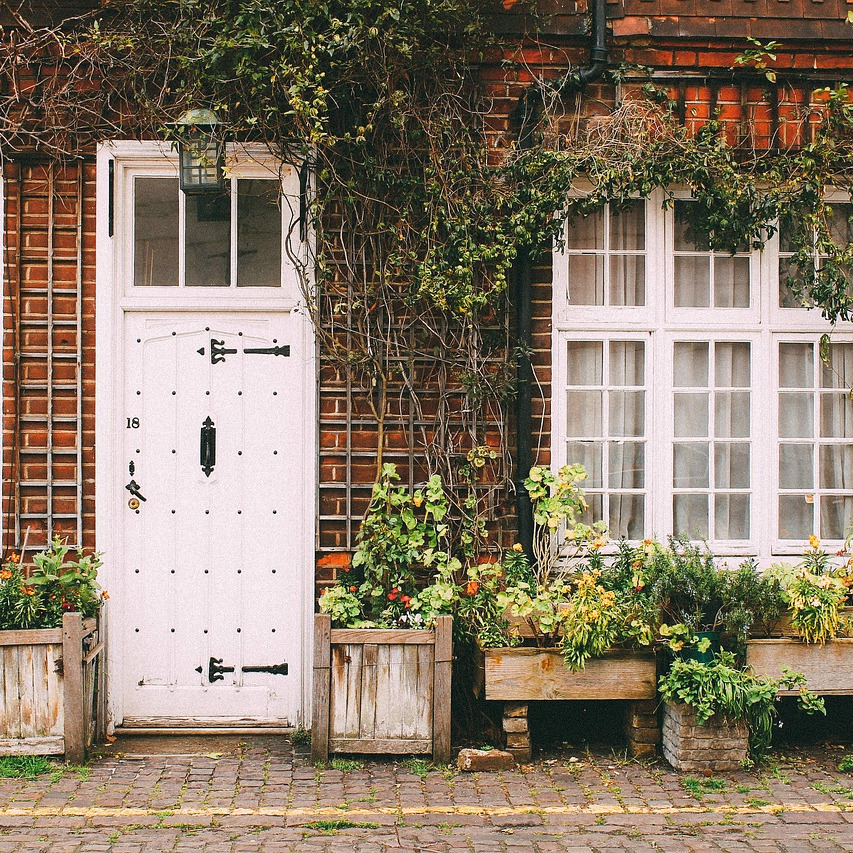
<point>659,323</point>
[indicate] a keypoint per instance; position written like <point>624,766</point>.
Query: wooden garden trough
<point>52,697</point>
<point>828,669</point>
<point>381,691</point>
<point>522,675</point>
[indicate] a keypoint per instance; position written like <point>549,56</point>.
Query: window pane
<point>796,415</point>
<point>584,414</point>
<point>836,515</point>
<point>731,517</point>
<point>691,415</point>
<point>627,280</point>
<point>585,362</point>
<point>627,413</point>
<point>627,363</point>
<point>787,299</point>
<point>836,415</point>
<point>796,516</point>
<point>628,227</point>
<point>586,232</point>
<point>588,454</point>
<point>839,372</point>
<point>687,233</point>
<point>731,282</point>
<point>690,516</point>
<point>595,510</point>
<point>627,516</point>
<point>690,466</point>
<point>155,237</point>
<point>207,243</point>
<point>796,365</point>
<point>258,233</point>
<point>731,466</point>
<point>627,465</point>
<point>586,279</point>
<point>840,225</point>
<point>731,414</point>
<point>692,281</point>
<point>690,364</point>
<point>836,466</point>
<point>796,466</point>
<point>731,367</point>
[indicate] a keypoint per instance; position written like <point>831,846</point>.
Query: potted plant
<point>383,637</point>
<point>53,672</point>
<point>578,628</point>
<point>817,634</point>
<point>718,716</point>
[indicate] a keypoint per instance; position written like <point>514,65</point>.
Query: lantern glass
<point>202,160</point>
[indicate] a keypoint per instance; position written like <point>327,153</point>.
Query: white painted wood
<point>218,542</point>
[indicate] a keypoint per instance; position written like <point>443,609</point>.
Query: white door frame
<point>111,304</point>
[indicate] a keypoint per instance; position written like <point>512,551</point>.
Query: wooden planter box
<point>718,745</point>
<point>828,669</point>
<point>382,691</point>
<point>52,697</point>
<point>522,675</point>
<point>784,628</point>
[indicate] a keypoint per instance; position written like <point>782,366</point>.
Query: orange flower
<point>105,595</point>
<point>28,590</point>
<point>5,574</point>
<point>13,558</point>
<point>472,588</point>
<point>353,588</point>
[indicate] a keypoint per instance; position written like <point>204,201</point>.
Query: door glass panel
<point>155,232</point>
<point>796,516</point>
<point>731,516</point>
<point>585,365</point>
<point>796,365</point>
<point>586,279</point>
<point>258,233</point>
<point>690,516</point>
<point>796,466</point>
<point>628,227</point>
<point>731,282</point>
<point>586,232</point>
<point>690,365</point>
<point>692,281</point>
<point>627,280</point>
<point>207,244</point>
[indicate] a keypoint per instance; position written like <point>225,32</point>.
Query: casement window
<point>690,385</point>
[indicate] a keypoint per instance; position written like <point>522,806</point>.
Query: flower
<point>518,547</point>
<point>353,588</point>
<point>5,574</point>
<point>407,600</point>
<point>28,590</point>
<point>472,588</point>
<point>13,558</point>
<point>392,596</point>
<point>105,595</point>
<point>814,542</point>
<point>417,500</point>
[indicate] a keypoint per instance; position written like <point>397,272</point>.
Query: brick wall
<point>690,60</point>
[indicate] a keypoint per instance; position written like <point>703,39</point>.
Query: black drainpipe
<point>526,118</point>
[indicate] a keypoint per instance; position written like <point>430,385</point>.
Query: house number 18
<point>133,423</point>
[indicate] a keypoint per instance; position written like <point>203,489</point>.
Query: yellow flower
<point>814,542</point>
<point>518,547</point>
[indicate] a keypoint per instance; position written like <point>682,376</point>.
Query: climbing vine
<point>418,217</point>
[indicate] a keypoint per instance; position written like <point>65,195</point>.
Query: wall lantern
<point>200,153</point>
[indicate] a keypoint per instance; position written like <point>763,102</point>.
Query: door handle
<point>207,446</point>
<point>133,488</point>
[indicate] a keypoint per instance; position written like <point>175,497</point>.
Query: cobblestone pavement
<point>258,795</point>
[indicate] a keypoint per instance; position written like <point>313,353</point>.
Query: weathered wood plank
<point>828,669</point>
<point>386,708</point>
<point>27,692</point>
<point>533,674</point>
<point>11,692</point>
<point>72,678</point>
<point>30,637</point>
<point>32,746</point>
<point>55,693</point>
<point>441,689</point>
<point>367,711</point>
<point>423,692</point>
<point>380,636</point>
<point>321,688</point>
<point>41,688</point>
<point>408,696</point>
<point>386,746</point>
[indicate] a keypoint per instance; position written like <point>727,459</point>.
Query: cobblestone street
<point>259,795</point>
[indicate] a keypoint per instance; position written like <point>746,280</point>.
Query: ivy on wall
<point>417,222</point>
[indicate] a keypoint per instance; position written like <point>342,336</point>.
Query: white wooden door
<point>213,440</point>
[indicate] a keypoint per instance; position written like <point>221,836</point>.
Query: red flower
<point>407,600</point>
<point>353,588</point>
<point>392,596</point>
